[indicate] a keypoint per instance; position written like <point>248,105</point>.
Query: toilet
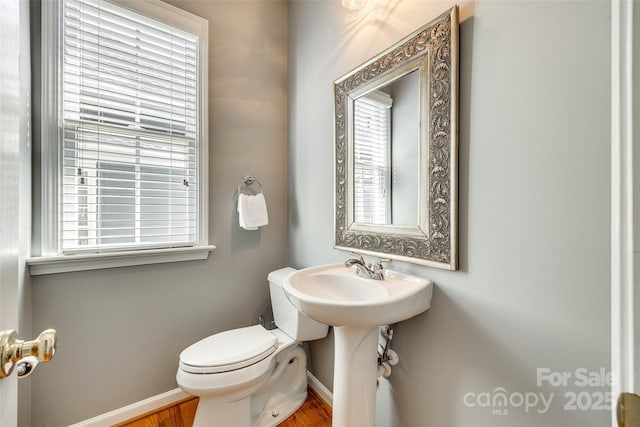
<point>251,377</point>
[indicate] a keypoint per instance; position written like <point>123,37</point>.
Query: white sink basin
<point>334,295</point>
<point>355,306</point>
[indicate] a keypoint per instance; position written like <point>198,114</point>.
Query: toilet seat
<point>228,351</point>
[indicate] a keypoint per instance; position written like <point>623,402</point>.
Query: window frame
<point>50,258</point>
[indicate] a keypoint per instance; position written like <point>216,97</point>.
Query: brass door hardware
<point>13,350</point>
<point>628,410</point>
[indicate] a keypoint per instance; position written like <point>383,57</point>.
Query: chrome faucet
<point>375,271</point>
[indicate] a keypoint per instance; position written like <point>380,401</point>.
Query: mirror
<point>396,149</point>
<point>386,136</point>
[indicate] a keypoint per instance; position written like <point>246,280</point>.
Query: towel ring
<point>248,181</point>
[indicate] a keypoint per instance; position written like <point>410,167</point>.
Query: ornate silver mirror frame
<point>433,51</point>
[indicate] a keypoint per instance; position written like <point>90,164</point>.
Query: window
<point>372,158</point>
<point>125,95</point>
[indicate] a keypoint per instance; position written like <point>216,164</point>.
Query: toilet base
<point>217,411</point>
<point>238,413</point>
<point>273,416</point>
<point>265,404</point>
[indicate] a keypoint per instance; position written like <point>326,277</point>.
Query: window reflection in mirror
<point>386,138</point>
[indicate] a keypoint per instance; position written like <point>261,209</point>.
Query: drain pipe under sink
<point>386,357</point>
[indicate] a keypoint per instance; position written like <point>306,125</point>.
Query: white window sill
<point>68,263</point>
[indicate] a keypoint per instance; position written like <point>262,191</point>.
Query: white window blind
<point>129,130</point>
<point>372,170</point>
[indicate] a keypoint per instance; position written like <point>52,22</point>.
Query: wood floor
<point>313,413</point>
<point>179,414</point>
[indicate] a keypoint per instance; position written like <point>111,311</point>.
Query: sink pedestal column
<point>355,376</point>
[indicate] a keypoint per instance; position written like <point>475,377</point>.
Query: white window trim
<point>81,262</point>
<point>50,259</point>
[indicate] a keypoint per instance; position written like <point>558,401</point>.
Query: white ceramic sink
<point>334,295</point>
<point>355,306</point>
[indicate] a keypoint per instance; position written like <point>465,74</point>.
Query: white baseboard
<point>320,389</point>
<point>134,410</point>
<point>172,396</point>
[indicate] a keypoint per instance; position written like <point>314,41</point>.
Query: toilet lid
<point>229,350</point>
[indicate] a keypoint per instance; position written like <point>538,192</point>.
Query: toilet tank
<point>287,317</point>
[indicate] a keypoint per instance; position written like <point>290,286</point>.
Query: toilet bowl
<point>251,377</point>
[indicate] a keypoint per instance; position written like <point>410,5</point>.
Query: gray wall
<point>121,330</point>
<point>533,288</point>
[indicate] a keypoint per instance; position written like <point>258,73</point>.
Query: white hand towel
<point>252,211</point>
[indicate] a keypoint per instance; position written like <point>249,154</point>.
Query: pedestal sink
<point>355,306</point>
